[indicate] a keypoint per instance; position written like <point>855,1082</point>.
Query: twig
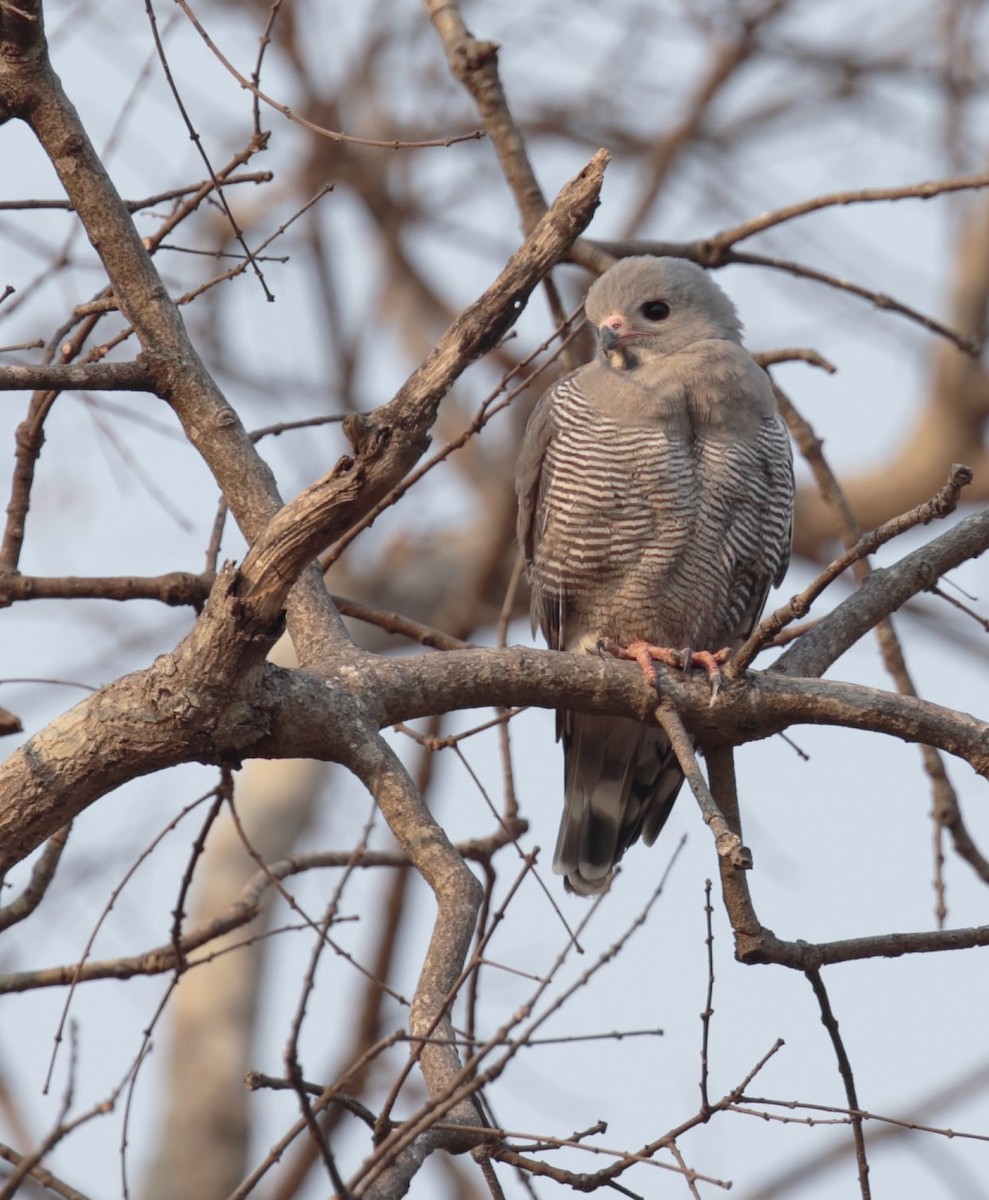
<point>77,971</point>
<point>883,593</point>
<point>287,112</point>
<point>893,1123</point>
<point>62,377</point>
<point>29,1164</point>
<point>944,502</point>
<point>772,358</point>
<point>690,1177</point>
<point>258,1080</point>
<point>42,1176</point>
<point>367,1032</point>
<point>736,896</point>
<point>847,1078</point>
<point>483,1160</point>
<point>607,1176</point>
<point>493,404</point>
<point>221,796</point>
<point>42,874</point>
<point>728,843</point>
<point>327,1097</point>
<point>198,143</point>
<point>708,1012</point>
<point>983,622</point>
<point>137,205</point>
<point>533,1144</point>
<point>393,622</point>
<point>946,808</point>
<point>176,589</point>
<point>912,191</point>
<point>879,299</point>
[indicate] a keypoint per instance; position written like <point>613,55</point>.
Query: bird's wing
<point>531,483</point>
<point>782,488</point>
<point>764,527</point>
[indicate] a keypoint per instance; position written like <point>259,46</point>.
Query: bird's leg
<point>647,656</point>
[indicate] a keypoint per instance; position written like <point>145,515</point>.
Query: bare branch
<point>938,507</point>
<point>331,134</point>
<point>847,1078</point>
<point>393,438</point>
<point>728,843</point>
<point>41,790</point>
<point>102,377</point>
<point>42,1176</point>
<point>41,877</point>
<point>911,191</point>
<point>885,591</point>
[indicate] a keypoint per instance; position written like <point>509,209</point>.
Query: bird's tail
<point>620,779</point>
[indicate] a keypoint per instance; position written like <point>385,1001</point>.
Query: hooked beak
<point>609,337</point>
<point>612,331</point>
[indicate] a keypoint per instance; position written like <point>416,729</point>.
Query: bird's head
<point>644,308</point>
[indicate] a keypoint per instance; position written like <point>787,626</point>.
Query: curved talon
<point>712,665</point>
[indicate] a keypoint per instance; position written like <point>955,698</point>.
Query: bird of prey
<point>655,491</point>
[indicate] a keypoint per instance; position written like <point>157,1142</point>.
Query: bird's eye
<point>655,310</point>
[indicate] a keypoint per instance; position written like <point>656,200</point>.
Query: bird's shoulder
<point>598,395</point>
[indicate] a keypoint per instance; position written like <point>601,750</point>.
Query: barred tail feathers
<point>620,781</point>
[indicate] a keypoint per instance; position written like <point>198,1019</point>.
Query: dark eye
<point>655,310</point>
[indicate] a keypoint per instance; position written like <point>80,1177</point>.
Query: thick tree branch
<point>208,702</point>
<point>886,590</point>
<point>176,588</point>
<point>390,440</point>
<point>202,695</point>
<point>171,714</point>
<point>97,377</point>
<point>938,507</point>
<point>213,699</point>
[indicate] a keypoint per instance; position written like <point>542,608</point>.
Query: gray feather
<point>655,502</point>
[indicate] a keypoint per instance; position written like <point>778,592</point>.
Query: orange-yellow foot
<point>682,660</point>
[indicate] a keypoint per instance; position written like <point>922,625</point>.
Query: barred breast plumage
<point>655,502</point>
